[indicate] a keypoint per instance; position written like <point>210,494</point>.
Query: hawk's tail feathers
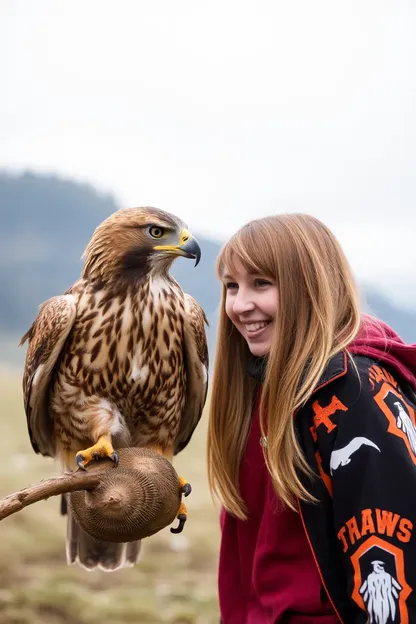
<point>91,553</point>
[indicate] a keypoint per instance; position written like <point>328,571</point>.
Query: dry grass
<point>175,581</point>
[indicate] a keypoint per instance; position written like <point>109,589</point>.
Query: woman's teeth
<point>253,327</point>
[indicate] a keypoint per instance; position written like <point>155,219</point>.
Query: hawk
<point>119,360</point>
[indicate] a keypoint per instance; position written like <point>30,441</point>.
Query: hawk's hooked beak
<point>188,247</point>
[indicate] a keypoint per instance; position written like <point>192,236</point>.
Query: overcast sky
<point>224,111</point>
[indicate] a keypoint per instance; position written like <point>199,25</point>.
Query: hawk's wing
<point>196,364</point>
<point>46,339</point>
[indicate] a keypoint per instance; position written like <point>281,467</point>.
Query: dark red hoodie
<point>267,573</point>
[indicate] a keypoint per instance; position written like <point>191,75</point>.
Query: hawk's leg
<point>185,487</point>
<point>182,517</point>
<point>102,448</point>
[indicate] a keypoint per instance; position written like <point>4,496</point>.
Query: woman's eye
<point>231,285</point>
<point>262,282</point>
<point>156,232</point>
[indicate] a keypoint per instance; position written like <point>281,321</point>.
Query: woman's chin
<point>258,349</point>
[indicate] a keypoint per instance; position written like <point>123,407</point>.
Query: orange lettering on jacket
<point>377,374</point>
<point>375,521</point>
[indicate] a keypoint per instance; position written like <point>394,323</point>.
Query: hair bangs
<point>244,248</point>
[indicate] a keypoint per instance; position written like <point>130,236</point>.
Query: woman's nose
<point>242,303</point>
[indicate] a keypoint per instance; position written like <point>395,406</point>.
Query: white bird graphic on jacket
<point>342,456</point>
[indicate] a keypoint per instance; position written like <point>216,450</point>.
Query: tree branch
<point>68,482</point>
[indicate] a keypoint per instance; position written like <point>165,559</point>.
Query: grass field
<point>174,582</point>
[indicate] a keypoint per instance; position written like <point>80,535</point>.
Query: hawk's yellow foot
<point>186,489</point>
<point>182,511</point>
<point>182,517</point>
<point>102,448</point>
<point>168,454</point>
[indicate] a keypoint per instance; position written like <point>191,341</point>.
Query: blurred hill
<point>46,223</point>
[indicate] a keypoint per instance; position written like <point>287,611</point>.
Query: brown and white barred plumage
<point>123,352</point>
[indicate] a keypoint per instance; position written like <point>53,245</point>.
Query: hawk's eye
<point>156,232</point>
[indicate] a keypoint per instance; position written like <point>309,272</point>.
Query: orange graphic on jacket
<point>323,414</point>
<point>402,421</point>
<point>325,477</point>
<point>323,417</point>
<point>396,590</point>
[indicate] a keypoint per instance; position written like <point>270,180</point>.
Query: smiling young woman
<point>294,383</point>
<point>251,305</point>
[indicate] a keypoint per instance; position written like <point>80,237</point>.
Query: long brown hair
<point>318,316</point>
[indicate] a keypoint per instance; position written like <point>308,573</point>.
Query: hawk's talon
<point>114,457</point>
<point>186,489</point>
<point>79,458</point>
<point>179,528</point>
<point>100,450</point>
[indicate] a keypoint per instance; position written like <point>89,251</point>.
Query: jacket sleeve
<point>365,433</point>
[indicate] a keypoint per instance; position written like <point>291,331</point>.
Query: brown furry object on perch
<point>135,500</point>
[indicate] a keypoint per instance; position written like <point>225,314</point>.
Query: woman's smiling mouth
<point>255,328</point>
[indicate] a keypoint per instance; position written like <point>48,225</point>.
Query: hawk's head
<point>135,242</point>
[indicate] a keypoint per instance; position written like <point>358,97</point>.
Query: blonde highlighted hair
<point>318,316</point>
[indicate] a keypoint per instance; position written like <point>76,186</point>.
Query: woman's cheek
<point>229,308</point>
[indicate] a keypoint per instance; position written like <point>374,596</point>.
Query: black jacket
<point>358,434</point>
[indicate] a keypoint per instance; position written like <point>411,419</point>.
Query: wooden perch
<point>137,499</point>
<point>68,482</point>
